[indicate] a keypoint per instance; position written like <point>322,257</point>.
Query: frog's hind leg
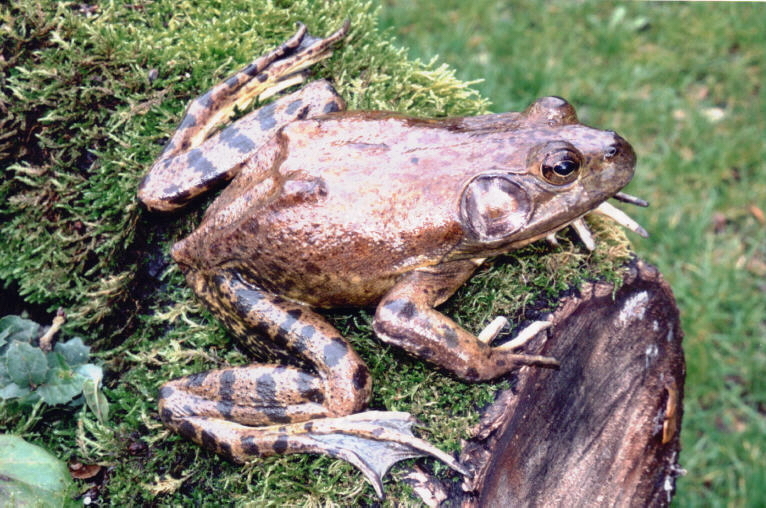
<point>261,410</point>
<point>262,78</point>
<point>197,157</point>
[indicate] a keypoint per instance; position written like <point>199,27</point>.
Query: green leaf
<point>17,328</point>
<point>56,360</point>
<point>30,476</point>
<point>13,391</point>
<point>61,386</point>
<point>74,351</point>
<point>94,397</point>
<point>27,365</point>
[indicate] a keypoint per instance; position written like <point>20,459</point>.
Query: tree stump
<point>603,429</point>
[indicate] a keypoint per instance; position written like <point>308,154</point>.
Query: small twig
<point>46,341</point>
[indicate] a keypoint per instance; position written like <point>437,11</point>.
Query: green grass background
<point>80,121</point>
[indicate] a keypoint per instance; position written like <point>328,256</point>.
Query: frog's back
<point>348,208</point>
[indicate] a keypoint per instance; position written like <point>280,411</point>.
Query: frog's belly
<point>329,290</point>
<point>327,272</point>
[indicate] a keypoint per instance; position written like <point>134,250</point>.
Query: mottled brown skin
<point>329,208</point>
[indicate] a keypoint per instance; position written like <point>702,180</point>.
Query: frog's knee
<point>393,318</point>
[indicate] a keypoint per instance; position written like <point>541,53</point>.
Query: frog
<point>324,208</point>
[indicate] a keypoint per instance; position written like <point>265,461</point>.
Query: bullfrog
<point>331,208</point>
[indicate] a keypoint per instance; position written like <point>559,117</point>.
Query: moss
<point>88,95</point>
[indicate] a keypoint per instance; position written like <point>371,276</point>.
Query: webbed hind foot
<point>372,441</point>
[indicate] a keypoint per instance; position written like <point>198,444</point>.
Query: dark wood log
<point>603,430</point>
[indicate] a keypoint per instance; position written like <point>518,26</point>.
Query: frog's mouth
<point>614,213</point>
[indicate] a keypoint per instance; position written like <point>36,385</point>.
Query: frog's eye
<point>561,166</point>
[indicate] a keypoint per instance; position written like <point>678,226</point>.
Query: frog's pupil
<point>565,167</point>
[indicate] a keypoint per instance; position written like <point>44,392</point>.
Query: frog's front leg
<point>406,317</point>
<point>197,157</point>
<point>267,409</point>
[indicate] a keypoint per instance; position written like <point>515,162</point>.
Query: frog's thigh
<point>406,317</point>
<point>258,318</point>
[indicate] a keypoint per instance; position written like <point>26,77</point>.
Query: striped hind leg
<point>266,409</point>
<point>199,156</point>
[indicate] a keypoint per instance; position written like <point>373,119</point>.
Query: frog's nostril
<point>619,151</point>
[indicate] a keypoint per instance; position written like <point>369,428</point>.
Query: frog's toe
<point>491,331</point>
<point>505,350</point>
<point>373,441</point>
<point>524,336</point>
<point>504,356</point>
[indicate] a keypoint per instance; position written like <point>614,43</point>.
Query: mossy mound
<point>88,96</point>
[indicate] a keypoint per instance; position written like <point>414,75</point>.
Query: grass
<point>684,84</point>
<point>681,82</point>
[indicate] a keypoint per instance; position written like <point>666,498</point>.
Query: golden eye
<point>561,167</point>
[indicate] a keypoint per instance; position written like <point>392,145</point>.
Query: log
<point>603,429</point>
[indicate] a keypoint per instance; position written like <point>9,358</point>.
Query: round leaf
<point>29,475</point>
<point>13,391</point>
<point>26,365</point>
<point>61,386</point>
<point>17,328</point>
<point>74,351</point>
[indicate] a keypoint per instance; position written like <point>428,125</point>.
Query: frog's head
<point>560,171</point>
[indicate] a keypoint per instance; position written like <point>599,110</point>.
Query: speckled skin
<point>329,208</point>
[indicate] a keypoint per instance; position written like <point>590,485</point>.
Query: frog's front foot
<point>492,330</point>
<point>406,317</point>
<point>372,441</point>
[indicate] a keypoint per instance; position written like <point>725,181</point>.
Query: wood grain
<point>603,429</point>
